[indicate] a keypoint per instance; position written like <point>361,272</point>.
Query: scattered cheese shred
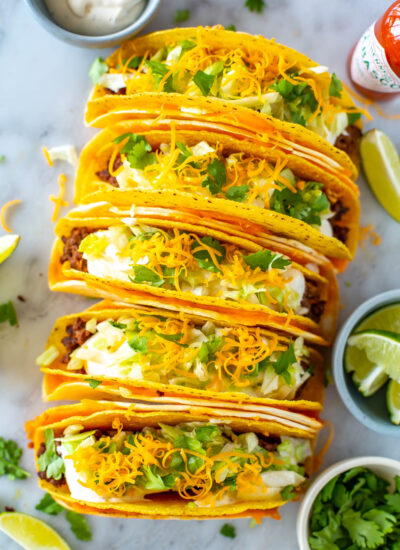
<point>47,156</point>
<point>3,211</point>
<point>59,201</point>
<point>367,233</point>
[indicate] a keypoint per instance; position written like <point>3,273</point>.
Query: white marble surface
<point>43,88</point>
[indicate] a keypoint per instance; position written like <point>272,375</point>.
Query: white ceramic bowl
<point>384,467</point>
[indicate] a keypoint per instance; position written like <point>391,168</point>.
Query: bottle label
<point>369,65</point>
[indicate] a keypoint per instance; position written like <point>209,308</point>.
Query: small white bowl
<point>381,466</point>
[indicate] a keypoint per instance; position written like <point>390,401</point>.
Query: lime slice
<point>381,348</point>
<point>8,243</point>
<point>367,376</point>
<point>30,532</point>
<point>385,318</point>
<point>393,401</point>
<point>381,165</point>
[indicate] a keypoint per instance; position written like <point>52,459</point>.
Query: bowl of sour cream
<point>94,23</point>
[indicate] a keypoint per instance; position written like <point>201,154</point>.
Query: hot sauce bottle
<point>374,63</point>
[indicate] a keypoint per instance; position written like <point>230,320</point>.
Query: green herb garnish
<point>137,150</point>
<point>181,16</point>
<point>51,462</point>
<point>97,69</point>
<point>335,87</point>
<point>256,5</point>
<point>93,383</point>
<point>10,455</point>
<point>216,177</point>
<point>265,259</point>
<point>8,313</point>
<point>79,525</point>
<point>228,530</point>
<point>204,258</point>
<point>306,205</point>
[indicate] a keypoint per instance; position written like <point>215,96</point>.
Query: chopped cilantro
<point>93,383</point>
<point>51,462</point>
<point>352,118</point>
<point>353,511</point>
<point>97,69</point>
<point>10,455</point>
<point>256,5</point>
<point>181,16</point>
<point>203,256</point>
<point>335,87</point>
<point>135,62</point>
<point>216,177</point>
<point>228,530</point>
<point>209,348</point>
<point>296,97</point>
<point>287,493</point>
<point>2,158</point>
<point>49,506</point>
<point>7,313</point>
<point>121,326</point>
<point>284,362</point>
<point>172,338</point>
<point>147,276</point>
<point>265,259</point>
<point>204,81</point>
<point>137,150</point>
<point>186,45</point>
<point>159,70</point>
<point>138,343</point>
<point>79,525</point>
<point>237,193</point>
<point>230,28</point>
<point>306,205</point>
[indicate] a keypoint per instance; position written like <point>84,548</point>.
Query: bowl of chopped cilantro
<point>354,504</point>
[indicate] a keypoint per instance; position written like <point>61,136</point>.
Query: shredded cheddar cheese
<point>3,211</point>
<point>47,156</point>
<point>59,200</point>
<point>367,233</point>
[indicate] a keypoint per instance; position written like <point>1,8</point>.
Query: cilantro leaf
<point>216,178</point>
<point>79,526</point>
<point>135,62</point>
<point>181,16</point>
<point>203,256</point>
<point>363,533</point>
<point>265,259</point>
<point>208,348</point>
<point>121,326</point>
<point>382,518</point>
<point>228,530</point>
<point>287,493</point>
<point>138,343</point>
<point>230,28</point>
<point>172,338</point>
<point>305,205</point>
<point>335,87</point>
<point>296,97</point>
<point>93,383</point>
<point>50,462</point>
<point>137,150</point>
<point>237,193</point>
<point>352,118</point>
<point>10,455</point>
<point>393,502</point>
<point>8,313</point>
<point>204,81</point>
<point>158,71</point>
<point>48,505</point>
<point>256,5</point>
<point>186,45</point>
<point>97,69</point>
<point>143,274</point>
<point>284,361</point>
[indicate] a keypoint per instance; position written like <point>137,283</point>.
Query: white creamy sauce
<point>95,17</point>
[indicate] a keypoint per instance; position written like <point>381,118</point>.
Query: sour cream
<point>95,17</point>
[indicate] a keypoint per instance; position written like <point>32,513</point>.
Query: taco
<point>171,462</point>
<point>212,75</point>
<point>220,175</point>
<point>112,351</point>
<point>188,264</point>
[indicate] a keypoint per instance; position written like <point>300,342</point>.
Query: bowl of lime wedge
<point>366,363</point>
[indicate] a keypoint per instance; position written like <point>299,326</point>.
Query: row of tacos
<point>214,209</point>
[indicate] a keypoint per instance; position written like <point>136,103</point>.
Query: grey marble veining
<point>43,88</point>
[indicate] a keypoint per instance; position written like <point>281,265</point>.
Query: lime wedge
<point>30,532</point>
<point>385,318</point>
<point>381,348</point>
<point>367,376</point>
<point>381,165</point>
<point>8,243</point>
<point>393,401</point>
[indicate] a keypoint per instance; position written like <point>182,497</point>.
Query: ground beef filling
<point>43,475</point>
<point>71,252</point>
<point>339,231</point>
<point>104,175</point>
<point>77,336</point>
<point>312,301</point>
<point>269,443</point>
<point>121,91</point>
<point>349,142</point>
